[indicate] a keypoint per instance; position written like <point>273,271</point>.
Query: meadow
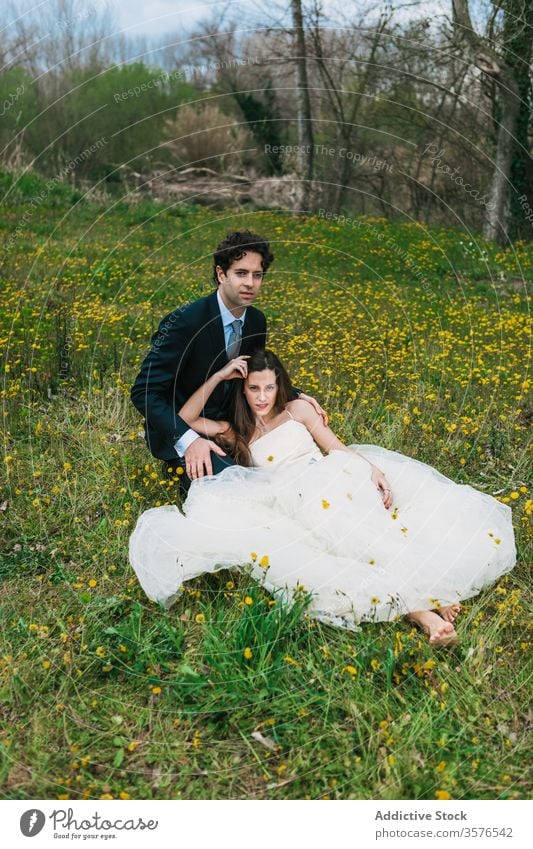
<point>413,338</point>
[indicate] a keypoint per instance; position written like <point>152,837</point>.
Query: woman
<point>372,534</point>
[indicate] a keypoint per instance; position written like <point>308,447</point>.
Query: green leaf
<point>119,757</point>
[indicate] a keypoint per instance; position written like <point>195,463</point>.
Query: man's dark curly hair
<point>234,247</point>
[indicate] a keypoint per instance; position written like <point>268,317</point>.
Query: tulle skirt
<point>322,526</point>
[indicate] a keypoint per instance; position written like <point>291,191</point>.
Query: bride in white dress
<point>372,534</point>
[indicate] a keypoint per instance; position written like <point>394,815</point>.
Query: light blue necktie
<point>235,336</point>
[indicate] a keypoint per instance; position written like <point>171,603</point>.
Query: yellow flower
<point>46,664</point>
<point>375,600</point>
<point>199,618</point>
<point>100,651</point>
<point>392,760</point>
<point>350,669</point>
<point>92,582</point>
<point>515,495</point>
<point>441,766</point>
<point>248,599</point>
<point>124,795</point>
<point>248,653</point>
<point>253,556</point>
<point>375,664</point>
<point>270,458</point>
<point>442,794</point>
<point>264,562</point>
<point>156,690</point>
<point>289,659</point>
<point>325,504</point>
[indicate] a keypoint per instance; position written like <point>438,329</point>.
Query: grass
<point>415,339</point>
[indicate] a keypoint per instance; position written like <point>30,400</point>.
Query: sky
<point>157,17</point>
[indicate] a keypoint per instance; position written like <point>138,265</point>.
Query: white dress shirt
<point>190,435</point>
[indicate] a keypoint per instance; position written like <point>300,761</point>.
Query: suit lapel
<point>249,332</point>
<point>216,332</point>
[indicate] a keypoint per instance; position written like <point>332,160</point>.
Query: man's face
<point>239,286</point>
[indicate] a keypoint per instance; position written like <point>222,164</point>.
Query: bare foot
<point>450,612</point>
<point>440,632</point>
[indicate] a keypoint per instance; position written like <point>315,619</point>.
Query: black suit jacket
<point>188,348</point>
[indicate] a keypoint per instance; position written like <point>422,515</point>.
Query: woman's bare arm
<point>327,441</point>
<point>192,409</point>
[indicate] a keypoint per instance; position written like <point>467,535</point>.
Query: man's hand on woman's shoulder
<point>315,405</point>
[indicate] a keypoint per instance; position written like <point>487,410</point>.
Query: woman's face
<point>260,390</point>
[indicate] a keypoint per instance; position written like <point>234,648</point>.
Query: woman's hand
<point>237,367</point>
<point>383,486</point>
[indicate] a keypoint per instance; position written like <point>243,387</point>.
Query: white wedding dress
<point>319,523</point>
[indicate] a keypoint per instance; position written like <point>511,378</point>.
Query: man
<point>192,343</point>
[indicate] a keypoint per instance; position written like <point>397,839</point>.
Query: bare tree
<point>495,64</point>
<point>303,103</point>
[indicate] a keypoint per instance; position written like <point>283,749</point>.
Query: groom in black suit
<point>192,343</point>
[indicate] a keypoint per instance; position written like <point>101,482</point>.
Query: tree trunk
<point>497,219</point>
<point>305,126</point>
<point>498,207</point>
<point>519,48</point>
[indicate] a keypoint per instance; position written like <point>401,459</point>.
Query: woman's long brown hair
<point>242,418</point>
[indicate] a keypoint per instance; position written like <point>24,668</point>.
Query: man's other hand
<point>316,407</point>
<point>198,457</point>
